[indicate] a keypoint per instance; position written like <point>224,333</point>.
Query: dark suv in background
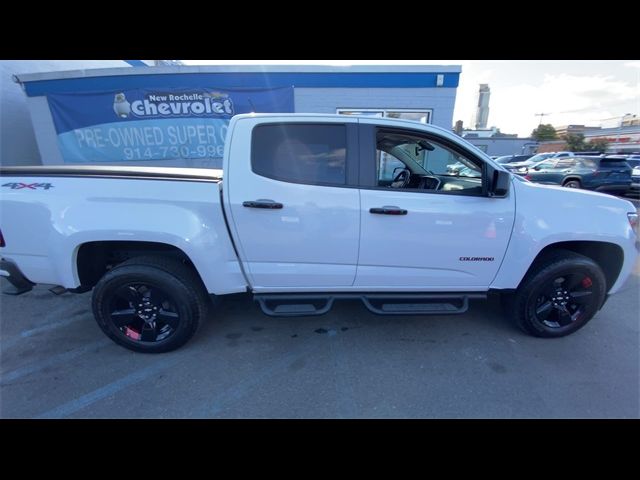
<point>609,173</point>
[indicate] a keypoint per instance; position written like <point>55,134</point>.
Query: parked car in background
<point>634,189</point>
<point>512,158</point>
<point>593,173</point>
<point>521,168</point>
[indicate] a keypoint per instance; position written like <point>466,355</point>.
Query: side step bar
<point>298,305</point>
<point>276,305</point>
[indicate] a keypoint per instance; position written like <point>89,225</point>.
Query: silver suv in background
<point>521,168</point>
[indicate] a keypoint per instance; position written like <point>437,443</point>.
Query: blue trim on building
<point>232,80</point>
<point>136,63</point>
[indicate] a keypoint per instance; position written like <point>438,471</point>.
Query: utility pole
<point>541,115</point>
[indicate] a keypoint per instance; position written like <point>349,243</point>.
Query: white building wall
<point>327,100</point>
<point>17,139</point>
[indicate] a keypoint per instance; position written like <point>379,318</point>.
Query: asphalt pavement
<point>56,363</point>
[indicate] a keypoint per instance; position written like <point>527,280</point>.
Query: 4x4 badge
<point>30,186</point>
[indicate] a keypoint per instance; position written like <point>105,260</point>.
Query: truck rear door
<point>293,217</point>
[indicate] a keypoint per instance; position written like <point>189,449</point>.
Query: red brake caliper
<point>586,282</point>
<point>132,333</point>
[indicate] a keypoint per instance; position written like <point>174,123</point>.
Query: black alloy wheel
<point>563,300</point>
<point>562,291</point>
<point>150,304</point>
<point>144,312</point>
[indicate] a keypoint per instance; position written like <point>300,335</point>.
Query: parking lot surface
<point>56,363</point>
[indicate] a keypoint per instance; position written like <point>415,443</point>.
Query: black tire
<point>168,288</point>
<point>572,184</point>
<point>559,295</point>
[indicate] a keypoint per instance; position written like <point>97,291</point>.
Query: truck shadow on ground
<point>238,317</point>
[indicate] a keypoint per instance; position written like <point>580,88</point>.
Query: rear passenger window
<point>613,163</point>
<point>588,163</point>
<point>300,153</point>
<point>565,163</point>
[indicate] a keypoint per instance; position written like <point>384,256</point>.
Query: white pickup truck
<point>409,218</point>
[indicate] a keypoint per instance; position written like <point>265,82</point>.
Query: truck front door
<point>295,222</point>
<point>427,222</point>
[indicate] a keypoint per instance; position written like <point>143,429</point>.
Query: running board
<point>294,305</point>
<point>298,305</point>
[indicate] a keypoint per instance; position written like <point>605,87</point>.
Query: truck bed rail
<point>115,171</point>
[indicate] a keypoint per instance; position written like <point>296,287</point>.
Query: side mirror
<point>500,183</point>
<point>537,167</point>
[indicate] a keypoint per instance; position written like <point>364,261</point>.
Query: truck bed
<point>50,212</point>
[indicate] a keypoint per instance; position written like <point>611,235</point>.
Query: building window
<point>422,116</point>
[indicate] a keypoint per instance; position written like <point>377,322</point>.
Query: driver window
<point>413,162</point>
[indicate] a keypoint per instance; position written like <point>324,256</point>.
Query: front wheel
<point>150,304</point>
<point>572,184</point>
<point>561,293</point>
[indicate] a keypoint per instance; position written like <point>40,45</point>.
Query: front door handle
<point>262,203</point>
<point>387,210</point>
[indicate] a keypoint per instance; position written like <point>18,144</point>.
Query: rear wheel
<point>560,295</point>
<point>150,304</point>
<point>572,184</point>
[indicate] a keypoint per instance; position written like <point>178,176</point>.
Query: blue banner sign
<point>155,126</point>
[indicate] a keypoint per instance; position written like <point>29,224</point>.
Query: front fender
<point>546,215</point>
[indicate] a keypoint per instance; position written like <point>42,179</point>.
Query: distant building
<point>495,143</point>
<point>487,133</point>
<point>552,146</point>
<point>458,128</point>
<point>498,146</point>
<point>630,121</point>
<point>624,138</point>
<point>565,130</point>
<point>481,116</point>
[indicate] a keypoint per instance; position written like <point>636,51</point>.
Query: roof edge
<point>163,70</point>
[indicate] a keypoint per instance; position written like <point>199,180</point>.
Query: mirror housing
<point>499,181</point>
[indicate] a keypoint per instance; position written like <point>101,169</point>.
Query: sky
<point>578,92</point>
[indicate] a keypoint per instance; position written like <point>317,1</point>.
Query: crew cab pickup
<point>309,209</point>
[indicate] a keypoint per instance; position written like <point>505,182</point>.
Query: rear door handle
<point>388,210</point>
<point>262,203</point>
